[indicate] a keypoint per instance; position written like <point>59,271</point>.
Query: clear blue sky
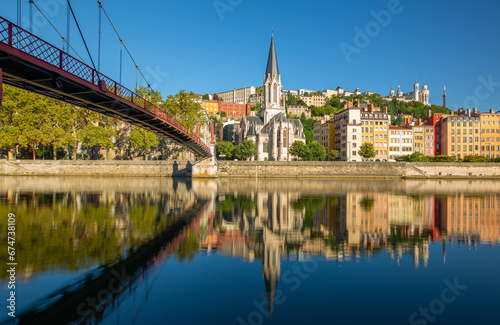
<point>191,45</point>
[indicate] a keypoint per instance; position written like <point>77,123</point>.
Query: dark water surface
<point>163,251</point>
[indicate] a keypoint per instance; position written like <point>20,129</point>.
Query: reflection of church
<point>262,230</point>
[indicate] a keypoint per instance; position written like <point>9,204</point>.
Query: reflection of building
<point>471,217</point>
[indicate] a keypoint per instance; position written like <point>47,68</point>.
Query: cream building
<point>241,96</point>
<point>400,142</point>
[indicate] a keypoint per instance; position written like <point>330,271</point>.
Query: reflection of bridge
<point>106,288</point>
<point>29,62</point>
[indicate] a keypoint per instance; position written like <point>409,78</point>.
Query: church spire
<point>272,61</point>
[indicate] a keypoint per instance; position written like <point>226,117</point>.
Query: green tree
<point>142,140</point>
<point>184,108</point>
<point>300,150</point>
<point>151,95</point>
<point>245,150</point>
<point>475,159</point>
<point>399,120</point>
<point>318,152</point>
<point>225,150</point>
<point>259,90</point>
<point>366,151</point>
<point>333,154</point>
<point>206,97</point>
<point>256,108</point>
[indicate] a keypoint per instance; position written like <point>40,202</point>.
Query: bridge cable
<point>68,28</point>
<point>19,9</point>
<point>62,37</point>
<point>125,46</point>
<point>99,44</point>
<point>83,38</point>
<point>31,16</point>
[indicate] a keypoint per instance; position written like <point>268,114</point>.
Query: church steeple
<point>272,61</point>
<point>272,87</point>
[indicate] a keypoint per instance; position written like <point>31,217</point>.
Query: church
<point>272,132</point>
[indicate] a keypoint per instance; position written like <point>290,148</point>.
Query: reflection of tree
<point>310,204</point>
<point>367,204</point>
<point>188,248</point>
<point>53,233</point>
<point>243,202</point>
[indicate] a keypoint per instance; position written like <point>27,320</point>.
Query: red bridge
<point>28,62</point>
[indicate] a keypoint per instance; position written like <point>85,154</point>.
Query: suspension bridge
<point>29,62</point>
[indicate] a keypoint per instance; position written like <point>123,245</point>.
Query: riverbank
<point>251,169</point>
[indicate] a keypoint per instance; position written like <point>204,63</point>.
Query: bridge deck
<point>31,63</point>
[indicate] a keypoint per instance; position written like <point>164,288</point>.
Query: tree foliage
<point>142,140</point>
<point>366,151</point>
<point>318,152</point>
<point>225,150</point>
<point>333,154</point>
<point>184,108</point>
<point>245,150</point>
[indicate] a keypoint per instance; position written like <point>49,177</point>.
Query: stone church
<point>272,131</point>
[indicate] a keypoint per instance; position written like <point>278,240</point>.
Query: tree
<point>318,152</point>
<point>259,90</point>
<point>475,159</point>
<point>399,120</point>
<point>225,150</point>
<point>184,108</point>
<point>206,97</point>
<point>299,149</point>
<point>414,157</point>
<point>245,150</point>
<point>256,108</point>
<point>333,154</point>
<point>142,140</point>
<point>366,151</point>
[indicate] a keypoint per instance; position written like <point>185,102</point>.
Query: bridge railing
<point>24,41</point>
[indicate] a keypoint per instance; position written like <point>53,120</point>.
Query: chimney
<point>468,112</point>
<point>371,106</point>
<point>349,104</point>
<point>474,110</point>
<point>492,111</point>
<point>419,122</point>
<point>429,113</point>
<point>384,109</point>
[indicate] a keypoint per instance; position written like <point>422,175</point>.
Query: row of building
<point>468,133</point>
<point>318,98</point>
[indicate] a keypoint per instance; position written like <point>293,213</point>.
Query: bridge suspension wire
<point>99,44</point>
<point>62,37</point>
<point>31,16</point>
<point>125,46</point>
<point>83,38</point>
<point>19,10</point>
<point>68,28</point>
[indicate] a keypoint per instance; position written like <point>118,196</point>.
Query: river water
<point>241,251</point>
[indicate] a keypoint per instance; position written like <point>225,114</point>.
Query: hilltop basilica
<point>272,131</point>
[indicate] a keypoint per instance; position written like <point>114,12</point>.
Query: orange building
<point>234,110</point>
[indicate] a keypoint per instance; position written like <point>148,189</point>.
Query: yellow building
<point>211,106</point>
<point>460,136</point>
<point>324,133</point>
<point>490,134</point>
<point>314,100</point>
<point>375,124</point>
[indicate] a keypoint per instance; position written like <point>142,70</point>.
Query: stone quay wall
<point>302,169</point>
<point>251,169</point>
<point>96,168</point>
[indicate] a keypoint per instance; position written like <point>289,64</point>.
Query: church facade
<point>272,132</point>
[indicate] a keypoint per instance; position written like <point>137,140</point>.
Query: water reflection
<point>136,225</point>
